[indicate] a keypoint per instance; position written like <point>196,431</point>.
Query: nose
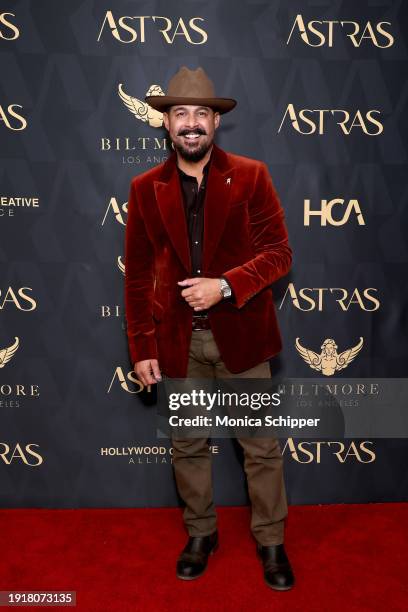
<point>191,123</point>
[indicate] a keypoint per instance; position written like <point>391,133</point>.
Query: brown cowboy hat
<point>191,87</point>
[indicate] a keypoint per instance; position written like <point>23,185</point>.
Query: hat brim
<point>161,103</point>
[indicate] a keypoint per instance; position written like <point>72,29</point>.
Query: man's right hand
<point>147,371</point>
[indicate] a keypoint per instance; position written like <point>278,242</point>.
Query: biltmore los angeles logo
<point>140,109</point>
<point>7,353</point>
<point>121,265</point>
<point>12,394</point>
<point>329,361</point>
<point>115,310</point>
<point>157,146</point>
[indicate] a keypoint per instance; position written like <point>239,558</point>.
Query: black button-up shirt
<point>193,197</point>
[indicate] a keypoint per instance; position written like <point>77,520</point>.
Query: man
<point>205,238</point>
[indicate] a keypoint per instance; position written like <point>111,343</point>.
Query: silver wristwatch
<point>225,289</point>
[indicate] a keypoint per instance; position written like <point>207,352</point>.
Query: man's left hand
<point>201,293</point>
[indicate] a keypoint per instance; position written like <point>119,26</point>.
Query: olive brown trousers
<point>263,462</point>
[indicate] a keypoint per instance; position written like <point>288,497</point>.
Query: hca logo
<point>316,33</point>
<point>313,121</point>
<point>131,29</point>
<point>326,215</point>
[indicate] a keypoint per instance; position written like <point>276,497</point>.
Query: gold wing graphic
<point>121,265</point>
<point>348,355</point>
<point>7,353</point>
<point>312,359</point>
<point>139,108</point>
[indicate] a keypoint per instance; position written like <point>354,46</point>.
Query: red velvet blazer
<point>245,240</point>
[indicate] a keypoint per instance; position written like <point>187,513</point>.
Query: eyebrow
<point>184,108</point>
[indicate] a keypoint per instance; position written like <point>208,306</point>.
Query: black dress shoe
<point>277,570</point>
<point>192,562</point>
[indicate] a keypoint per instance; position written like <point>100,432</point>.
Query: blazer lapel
<point>217,202</point>
<point>169,198</point>
<point>170,202</point>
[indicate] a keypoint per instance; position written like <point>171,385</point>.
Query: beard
<point>193,154</point>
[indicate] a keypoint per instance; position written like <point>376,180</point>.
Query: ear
<point>217,119</point>
<point>166,120</point>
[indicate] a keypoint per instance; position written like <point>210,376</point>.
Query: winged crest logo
<point>121,265</point>
<point>329,361</point>
<point>7,353</point>
<point>140,109</point>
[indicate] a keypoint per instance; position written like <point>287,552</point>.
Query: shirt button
<point>196,242</point>
<point>198,271</point>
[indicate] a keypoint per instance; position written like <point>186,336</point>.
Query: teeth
<point>191,136</point>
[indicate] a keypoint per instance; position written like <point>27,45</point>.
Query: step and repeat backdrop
<point>322,99</point>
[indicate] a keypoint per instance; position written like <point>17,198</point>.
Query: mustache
<point>194,131</point>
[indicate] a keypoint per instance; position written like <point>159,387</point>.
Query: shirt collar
<point>205,170</point>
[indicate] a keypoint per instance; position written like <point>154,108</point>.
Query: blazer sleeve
<point>139,284</point>
<point>269,239</point>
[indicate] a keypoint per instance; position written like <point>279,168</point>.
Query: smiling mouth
<point>191,137</point>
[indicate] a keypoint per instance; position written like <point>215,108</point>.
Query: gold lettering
<point>10,25</point>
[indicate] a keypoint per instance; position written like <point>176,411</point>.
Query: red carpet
<point>345,557</point>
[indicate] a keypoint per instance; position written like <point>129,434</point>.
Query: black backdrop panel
<point>322,99</point>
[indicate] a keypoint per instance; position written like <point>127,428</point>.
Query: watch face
<point>225,289</point>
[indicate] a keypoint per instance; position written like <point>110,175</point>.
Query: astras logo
<point>123,378</point>
<point>118,210</point>
<point>12,118</point>
<point>8,30</point>
<point>16,453</point>
<point>18,298</point>
<point>313,121</point>
<point>311,451</point>
<point>128,29</point>
<point>309,299</point>
<point>326,32</point>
